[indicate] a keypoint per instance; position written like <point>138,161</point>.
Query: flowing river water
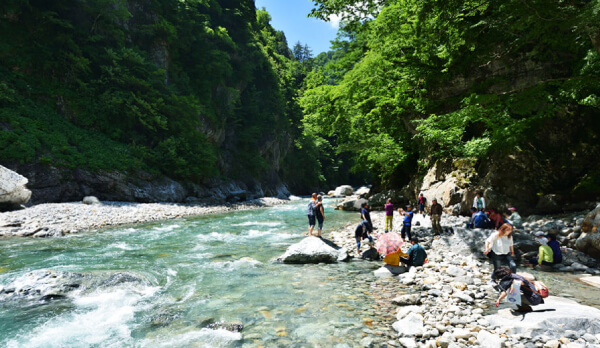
<point>196,271</point>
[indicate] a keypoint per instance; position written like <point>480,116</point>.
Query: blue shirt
<point>408,218</point>
<point>311,208</point>
<point>480,220</point>
<point>555,246</point>
<point>417,255</point>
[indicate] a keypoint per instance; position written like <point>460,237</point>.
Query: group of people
<point>316,213</point>
<point>499,246</point>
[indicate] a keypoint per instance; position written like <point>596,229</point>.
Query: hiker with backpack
<point>422,201</point>
<point>519,290</point>
<point>312,213</point>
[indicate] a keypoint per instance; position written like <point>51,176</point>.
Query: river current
<point>196,271</point>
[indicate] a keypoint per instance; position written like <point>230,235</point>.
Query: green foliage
<point>126,85</point>
<point>428,80</point>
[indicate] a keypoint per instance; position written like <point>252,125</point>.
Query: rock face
<point>54,185</point>
<point>313,250</point>
<point>12,188</point>
<point>589,240</point>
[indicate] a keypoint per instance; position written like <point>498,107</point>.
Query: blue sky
<point>289,16</point>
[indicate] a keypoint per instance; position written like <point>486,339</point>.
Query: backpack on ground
<point>541,288</point>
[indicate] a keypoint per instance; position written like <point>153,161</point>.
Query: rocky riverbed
<point>449,302</point>
<point>57,219</point>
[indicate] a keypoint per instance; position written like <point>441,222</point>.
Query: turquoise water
<point>195,271</point>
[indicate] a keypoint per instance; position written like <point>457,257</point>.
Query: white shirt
<point>475,202</point>
<point>500,245</point>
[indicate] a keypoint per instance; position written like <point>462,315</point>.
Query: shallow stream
<point>197,271</point>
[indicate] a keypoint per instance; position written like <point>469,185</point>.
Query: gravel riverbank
<point>57,219</point>
<point>449,302</point>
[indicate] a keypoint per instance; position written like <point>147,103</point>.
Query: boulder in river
<point>313,250</point>
<point>344,190</point>
<point>49,284</point>
<point>351,204</point>
<point>12,189</point>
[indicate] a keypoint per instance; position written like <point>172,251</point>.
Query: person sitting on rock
<point>545,255</point>
<point>407,223</point>
<point>436,216</point>
<point>555,246</point>
<point>529,295</point>
<point>479,219</point>
<point>363,231</point>
<point>496,219</point>
<point>416,254</point>
<point>499,247</point>
<point>514,218</point>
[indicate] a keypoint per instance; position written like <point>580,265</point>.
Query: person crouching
<point>361,232</point>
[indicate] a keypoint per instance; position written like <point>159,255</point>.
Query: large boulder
<point>549,204</point>
<point>362,192</point>
<point>378,200</point>
<point>351,204</point>
<point>589,240</point>
<point>313,250</point>
<point>551,319</point>
<point>344,190</point>
<point>12,188</point>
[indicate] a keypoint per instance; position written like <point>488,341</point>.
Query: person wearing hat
<point>514,218</point>
<point>436,216</point>
<point>417,256</point>
<point>545,255</point>
<point>407,223</point>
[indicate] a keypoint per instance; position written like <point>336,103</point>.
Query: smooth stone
<point>593,280</point>
<point>407,300</point>
<point>408,342</point>
<point>404,311</point>
<point>552,318</point>
<point>389,271</point>
<point>463,297</point>
<point>462,333</point>
<point>488,339</point>
<point>411,325</point>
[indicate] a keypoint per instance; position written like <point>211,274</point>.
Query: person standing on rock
<point>407,223</point>
<point>436,216</point>
<point>311,213</point>
<point>422,201</point>
<point>499,247</point>
<point>320,214</point>
<point>389,215</point>
<point>479,202</point>
<point>529,295</point>
<point>361,232</point>
<point>365,214</point>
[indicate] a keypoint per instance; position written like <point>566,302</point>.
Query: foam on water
<point>101,318</point>
<point>167,228</point>
<point>259,223</point>
<point>197,338</point>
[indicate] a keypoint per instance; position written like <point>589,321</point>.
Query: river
<point>196,271</point>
